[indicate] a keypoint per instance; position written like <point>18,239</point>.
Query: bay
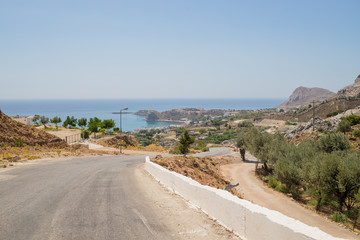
<point>104,108</point>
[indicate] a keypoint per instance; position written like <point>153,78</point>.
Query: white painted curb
<point>247,220</point>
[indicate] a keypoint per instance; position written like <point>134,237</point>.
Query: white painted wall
<point>247,220</point>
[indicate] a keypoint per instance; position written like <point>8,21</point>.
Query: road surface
<point>109,197</point>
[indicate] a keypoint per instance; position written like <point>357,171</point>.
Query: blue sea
<point>104,109</point>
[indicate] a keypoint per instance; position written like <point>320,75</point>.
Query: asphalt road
<point>94,198</point>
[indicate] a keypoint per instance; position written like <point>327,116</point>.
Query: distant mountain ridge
<point>303,96</point>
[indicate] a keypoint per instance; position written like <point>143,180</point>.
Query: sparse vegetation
<point>334,113</point>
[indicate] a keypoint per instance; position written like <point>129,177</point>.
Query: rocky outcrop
<point>13,133</point>
<point>303,96</point>
<point>351,91</point>
<point>322,125</point>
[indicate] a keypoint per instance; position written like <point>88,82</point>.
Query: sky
<point>176,49</point>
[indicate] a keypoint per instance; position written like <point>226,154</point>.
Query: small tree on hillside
<point>344,126</point>
<point>56,120</point>
<point>82,122</point>
<point>107,124</point>
<point>94,125</point>
<point>44,120</point>
<point>36,120</point>
<point>70,121</point>
<point>185,142</point>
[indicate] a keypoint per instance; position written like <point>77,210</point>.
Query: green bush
<point>356,133</point>
<point>344,126</point>
<point>339,217</point>
<point>19,143</point>
<point>333,142</point>
<point>85,134</point>
<point>245,124</point>
<point>353,119</point>
<point>205,149</point>
<point>272,182</point>
<point>334,113</point>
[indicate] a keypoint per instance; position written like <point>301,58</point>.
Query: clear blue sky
<point>176,49</point>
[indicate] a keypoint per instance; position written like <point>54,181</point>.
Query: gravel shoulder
<point>185,220</point>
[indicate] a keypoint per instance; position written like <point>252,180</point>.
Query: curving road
<point>110,197</point>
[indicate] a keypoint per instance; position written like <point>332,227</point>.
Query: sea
<point>109,108</point>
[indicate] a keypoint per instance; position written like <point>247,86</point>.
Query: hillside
<point>13,133</point>
<point>303,96</point>
<point>351,91</point>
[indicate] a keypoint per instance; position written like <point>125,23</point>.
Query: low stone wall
<point>247,220</point>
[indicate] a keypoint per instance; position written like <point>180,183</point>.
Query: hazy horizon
<point>176,50</point>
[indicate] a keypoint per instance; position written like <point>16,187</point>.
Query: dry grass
<point>203,170</point>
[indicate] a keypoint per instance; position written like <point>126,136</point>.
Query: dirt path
<point>254,190</point>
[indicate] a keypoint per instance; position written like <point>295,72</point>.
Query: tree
<point>82,122</point>
<point>216,122</point>
<point>185,141</point>
<point>70,121</point>
<point>333,142</point>
<point>344,126</point>
<point>56,120</point>
<point>94,125</point>
<point>107,124</point>
<point>36,120</point>
<point>241,144</point>
<point>44,120</point>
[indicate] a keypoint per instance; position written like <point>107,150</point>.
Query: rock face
<point>303,96</point>
<point>351,91</point>
<point>13,133</point>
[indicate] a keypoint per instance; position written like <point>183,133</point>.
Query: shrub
<point>205,149</point>
<point>272,182</point>
<point>334,113</point>
<point>19,143</point>
<point>353,119</point>
<point>333,142</point>
<point>356,133</point>
<point>245,124</point>
<point>85,134</point>
<point>338,217</point>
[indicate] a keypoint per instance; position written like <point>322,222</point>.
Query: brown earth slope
<point>13,133</point>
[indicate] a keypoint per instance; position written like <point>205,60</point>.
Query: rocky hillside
<point>13,133</point>
<point>351,91</point>
<point>303,96</point>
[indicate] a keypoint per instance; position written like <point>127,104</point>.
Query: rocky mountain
<point>351,91</point>
<point>303,96</point>
<point>13,133</point>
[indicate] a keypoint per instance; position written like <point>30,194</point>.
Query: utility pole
<point>313,115</point>
<point>120,113</point>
